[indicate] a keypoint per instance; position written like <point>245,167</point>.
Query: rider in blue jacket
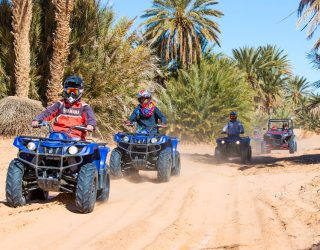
<point>146,114</point>
<point>234,127</point>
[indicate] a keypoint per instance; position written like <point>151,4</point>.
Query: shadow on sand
<point>315,247</point>
<point>269,161</point>
<point>65,199</point>
<point>137,179</point>
<point>262,161</point>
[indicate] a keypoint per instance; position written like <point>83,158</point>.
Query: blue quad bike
<point>145,151</point>
<point>60,164</point>
<point>235,146</point>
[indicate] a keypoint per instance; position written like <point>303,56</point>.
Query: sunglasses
<point>73,91</point>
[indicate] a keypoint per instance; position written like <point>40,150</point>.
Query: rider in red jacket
<point>71,111</point>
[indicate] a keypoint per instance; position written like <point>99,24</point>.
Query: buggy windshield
<point>280,125</point>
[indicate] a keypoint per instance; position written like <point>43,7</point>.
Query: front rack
<point>145,142</point>
<point>56,156</point>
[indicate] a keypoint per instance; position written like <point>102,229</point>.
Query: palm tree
<point>314,105</point>
<point>271,87</point>
<point>267,69</point>
<point>113,61</point>
<point>7,57</point>
<point>308,12</point>
<point>249,60</point>
<point>297,88</point>
<point>275,58</point>
<point>180,29</point>
<point>21,22</point>
<point>199,100</point>
<point>63,10</point>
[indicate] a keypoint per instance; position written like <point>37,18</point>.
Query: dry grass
<point>16,115</point>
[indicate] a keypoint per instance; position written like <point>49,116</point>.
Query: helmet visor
<point>233,117</point>
<point>143,99</point>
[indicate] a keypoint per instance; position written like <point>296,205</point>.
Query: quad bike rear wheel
<point>103,194</point>
<point>245,154</point>
<point>87,185</point>
<point>218,155</point>
<point>14,189</point>
<point>164,165</point>
<point>177,165</point>
<point>250,154</point>
<point>115,164</point>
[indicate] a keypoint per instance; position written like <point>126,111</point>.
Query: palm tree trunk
<point>21,22</point>
<point>63,12</point>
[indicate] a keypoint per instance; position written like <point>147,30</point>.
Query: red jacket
<point>69,115</point>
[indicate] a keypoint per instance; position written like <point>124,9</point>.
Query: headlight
<point>31,146</point>
<point>223,142</point>
<point>154,140</point>
<point>237,142</point>
<point>126,139</point>
<point>73,150</point>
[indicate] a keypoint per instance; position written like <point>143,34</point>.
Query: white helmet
<point>144,93</point>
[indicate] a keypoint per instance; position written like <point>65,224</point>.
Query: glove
<point>35,124</point>
<point>90,128</point>
<point>127,122</point>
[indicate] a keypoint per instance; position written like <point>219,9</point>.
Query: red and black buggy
<point>280,136</point>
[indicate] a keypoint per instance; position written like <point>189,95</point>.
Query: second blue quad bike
<point>58,163</point>
<point>235,146</point>
<point>145,151</point>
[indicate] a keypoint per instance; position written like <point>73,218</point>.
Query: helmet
<point>73,89</point>
<point>144,93</point>
<point>233,116</point>
<point>147,108</point>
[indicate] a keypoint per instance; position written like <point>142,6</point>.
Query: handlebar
<point>48,125</point>
<point>134,124</point>
<point>80,128</point>
<point>43,124</point>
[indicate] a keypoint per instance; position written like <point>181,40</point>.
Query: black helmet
<point>73,89</point>
<point>233,116</point>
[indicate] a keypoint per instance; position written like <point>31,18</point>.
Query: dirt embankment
<point>273,203</point>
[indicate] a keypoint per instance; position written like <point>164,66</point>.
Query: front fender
<point>18,143</point>
<point>104,150</point>
<point>174,143</point>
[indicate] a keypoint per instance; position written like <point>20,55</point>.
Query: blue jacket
<point>234,128</point>
<point>148,123</point>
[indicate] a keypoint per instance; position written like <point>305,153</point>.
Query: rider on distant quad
<point>71,111</point>
<point>146,114</point>
<point>234,127</point>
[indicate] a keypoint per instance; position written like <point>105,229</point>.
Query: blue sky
<point>250,23</point>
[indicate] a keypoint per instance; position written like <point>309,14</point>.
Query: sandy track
<point>273,203</point>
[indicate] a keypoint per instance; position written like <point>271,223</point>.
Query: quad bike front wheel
<point>177,165</point>
<point>164,165</point>
<point>14,189</point>
<point>87,185</point>
<point>115,164</point>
